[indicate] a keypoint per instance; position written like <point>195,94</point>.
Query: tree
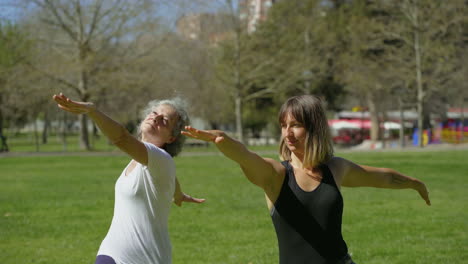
<point>289,53</point>
<point>89,39</point>
<point>395,47</point>
<point>13,49</point>
<point>208,99</point>
<point>457,94</point>
<point>362,61</point>
<point>234,70</point>
<point>299,40</point>
<point>426,31</point>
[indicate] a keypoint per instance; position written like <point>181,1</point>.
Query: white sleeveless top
<point>139,230</point>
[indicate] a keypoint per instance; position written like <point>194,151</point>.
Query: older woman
<point>303,192</point>
<point>146,187</point>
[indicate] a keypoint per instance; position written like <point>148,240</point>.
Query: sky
<point>8,11</point>
<point>176,8</point>
<point>170,10</point>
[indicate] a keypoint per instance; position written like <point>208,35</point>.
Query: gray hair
<point>179,106</point>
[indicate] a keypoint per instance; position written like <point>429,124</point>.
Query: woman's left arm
<point>114,131</point>
<point>354,175</point>
<point>180,197</point>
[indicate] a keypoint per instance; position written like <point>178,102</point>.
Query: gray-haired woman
<point>303,192</point>
<point>146,187</point>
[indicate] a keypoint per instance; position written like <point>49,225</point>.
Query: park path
<point>438,147</point>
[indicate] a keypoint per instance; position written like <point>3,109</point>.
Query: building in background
<point>190,26</point>
<point>252,12</point>
<point>206,27</point>
<point>212,28</point>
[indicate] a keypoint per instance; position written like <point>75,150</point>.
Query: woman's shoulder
<point>338,167</point>
<point>337,162</point>
<point>157,150</point>
<point>277,177</point>
<point>158,158</point>
<point>278,166</point>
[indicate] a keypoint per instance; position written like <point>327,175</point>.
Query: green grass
<point>26,142</point>
<point>57,210</point>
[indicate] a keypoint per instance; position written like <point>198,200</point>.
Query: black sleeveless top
<point>308,224</point>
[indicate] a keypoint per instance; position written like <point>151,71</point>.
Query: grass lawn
<point>57,209</point>
<point>26,142</point>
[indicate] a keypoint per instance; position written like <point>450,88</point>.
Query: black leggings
<point>103,259</point>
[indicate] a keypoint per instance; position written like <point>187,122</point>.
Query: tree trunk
<point>383,130</point>
<point>237,84</point>
<point>374,118</point>
<point>64,132</point>
<point>402,123</point>
<point>45,129</point>
<point>239,128</point>
<point>419,84</point>
<point>36,135</point>
<point>84,135</point>
<point>462,120</point>
<point>94,135</point>
<point>4,145</point>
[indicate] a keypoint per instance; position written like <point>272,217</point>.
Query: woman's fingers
<point>424,193</point>
<point>178,202</point>
<point>56,98</point>
<point>71,106</point>
<point>188,134</point>
<point>61,99</point>
<point>71,110</point>
<point>60,96</point>
<point>192,130</point>
<point>196,134</point>
<point>425,196</point>
<point>190,199</point>
<point>187,199</point>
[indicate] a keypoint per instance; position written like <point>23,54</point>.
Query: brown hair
<point>309,111</point>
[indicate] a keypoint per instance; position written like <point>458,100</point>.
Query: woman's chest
<point>307,181</point>
<point>132,182</point>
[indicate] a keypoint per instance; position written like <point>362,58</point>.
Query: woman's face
<point>294,134</point>
<point>158,125</point>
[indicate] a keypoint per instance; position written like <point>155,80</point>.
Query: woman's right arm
<point>114,131</point>
<point>260,171</point>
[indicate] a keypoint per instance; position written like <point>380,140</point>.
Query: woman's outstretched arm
<point>354,175</point>
<point>258,170</point>
<point>114,131</point>
<point>180,197</point>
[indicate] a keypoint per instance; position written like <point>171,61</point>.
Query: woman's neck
<point>153,141</point>
<point>297,160</point>
<point>298,164</point>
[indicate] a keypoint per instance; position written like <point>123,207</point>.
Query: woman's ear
<point>171,140</point>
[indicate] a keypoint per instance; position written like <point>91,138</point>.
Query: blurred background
<point>393,73</point>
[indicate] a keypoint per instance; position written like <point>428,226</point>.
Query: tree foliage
<point>119,54</point>
<point>14,48</point>
<point>89,41</point>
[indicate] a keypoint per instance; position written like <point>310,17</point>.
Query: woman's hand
<point>180,197</point>
<point>422,190</point>
<point>205,135</point>
<point>71,106</point>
